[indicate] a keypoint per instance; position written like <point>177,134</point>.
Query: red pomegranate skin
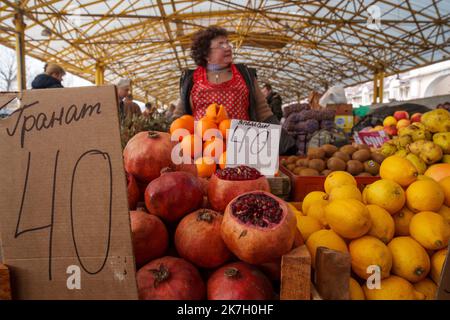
<point>149,235</point>
<point>272,269</point>
<point>221,192</point>
<point>173,195</point>
<point>257,245</point>
<point>198,239</point>
<point>239,281</point>
<point>132,191</point>
<point>170,278</point>
<point>147,153</point>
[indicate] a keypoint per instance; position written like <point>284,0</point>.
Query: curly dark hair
<point>201,43</point>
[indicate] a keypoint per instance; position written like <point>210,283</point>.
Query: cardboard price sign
<point>374,139</point>
<point>254,144</point>
<point>65,228</point>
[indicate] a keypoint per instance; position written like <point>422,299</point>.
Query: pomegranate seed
<point>238,173</point>
<point>257,209</point>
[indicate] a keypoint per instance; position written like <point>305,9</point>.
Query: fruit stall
<point>355,213</point>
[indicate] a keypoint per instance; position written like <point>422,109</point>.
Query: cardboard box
<point>65,227</point>
<point>341,109</point>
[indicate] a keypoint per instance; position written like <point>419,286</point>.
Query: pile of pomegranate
<point>193,238</point>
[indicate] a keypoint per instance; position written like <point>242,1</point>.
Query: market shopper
<point>273,100</point>
<point>127,108</point>
<point>218,80</point>
<point>149,110</point>
<point>51,78</point>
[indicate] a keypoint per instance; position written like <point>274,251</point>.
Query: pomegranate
<point>147,153</point>
<point>258,227</point>
<point>149,235</point>
<point>170,278</point>
<point>132,191</point>
<point>228,183</point>
<point>173,195</point>
<point>272,269</point>
<point>198,239</point>
<point>239,281</point>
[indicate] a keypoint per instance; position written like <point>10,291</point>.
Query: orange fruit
<point>224,126</point>
<point>205,167</point>
<point>438,171</point>
<point>188,117</point>
<point>189,144</point>
<point>214,148</point>
<point>223,160</point>
<point>206,129</point>
<point>216,113</point>
<point>182,123</point>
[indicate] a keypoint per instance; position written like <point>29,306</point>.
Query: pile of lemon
<point>400,223</point>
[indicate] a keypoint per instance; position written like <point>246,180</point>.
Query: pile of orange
<point>204,140</point>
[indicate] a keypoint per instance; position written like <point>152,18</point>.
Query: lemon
<point>430,230</point>
<point>398,169</point>
<point>356,292</point>
<point>294,209</point>
<point>346,191</point>
<point>307,226</point>
<point>317,210</point>
<point>324,238</point>
<point>402,219</point>
<point>445,184</point>
<point>425,195</point>
<point>409,259</point>
<point>437,263</point>
<point>312,197</point>
<point>387,194</point>
<point>348,218</point>
<point>394,288</point>
<point>337,179</point>
<point>383,226</point>
<point>368,251</point>
<point>444,211</point>
<point>427,287</point>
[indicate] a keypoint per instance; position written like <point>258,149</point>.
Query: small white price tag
<point>254,144</point>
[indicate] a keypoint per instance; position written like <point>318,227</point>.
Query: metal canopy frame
<point>298,46</point>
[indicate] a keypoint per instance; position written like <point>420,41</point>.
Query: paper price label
<point>254,144</point>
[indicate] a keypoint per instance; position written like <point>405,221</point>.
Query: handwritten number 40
<point>19,232</point>
<point>234,138</point>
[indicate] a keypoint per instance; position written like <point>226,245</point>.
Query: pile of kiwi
<point>358,160</point>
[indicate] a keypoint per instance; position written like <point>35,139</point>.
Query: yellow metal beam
<point>20,50</point>
<point>99,74</point>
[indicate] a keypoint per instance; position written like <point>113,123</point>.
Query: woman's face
<point>220,51</point>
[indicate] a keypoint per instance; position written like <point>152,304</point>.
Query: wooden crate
<point>301,186</point>
<point>5,287</point>
<point>280,186</point>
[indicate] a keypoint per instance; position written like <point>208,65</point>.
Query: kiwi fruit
<point>362,147</point>
<point>326,172</point>
<point>348,149</point>
<point>316,153</point>
<point>377,157</point>
<point>302,162</point>
<point>336,164</point>
<point>364,174</point>
<point>329,149</point>
<point>372,167</point>
<point>341,155</point>
<point>291,166</point>
<point>309,172</point>
<point>317,164</point>
<point>284,162</point>
<point>297,170</point>
<point>355,167</point>
<point>291,159</point>
<point>362,155</point>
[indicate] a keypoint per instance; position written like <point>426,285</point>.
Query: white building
<point>429,81</point>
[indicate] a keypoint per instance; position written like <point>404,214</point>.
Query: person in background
<point>273,100</point>
<point>51,78</point>
<point>218,80</point>
<point>169,114</point>
<point>127,108</point>
<point>149,110</point>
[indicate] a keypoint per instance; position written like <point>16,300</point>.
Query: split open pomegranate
<point>258,227</point>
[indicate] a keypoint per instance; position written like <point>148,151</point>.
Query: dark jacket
<point>249,75</point>
<point>44,81</point>
<point>274,102</point>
